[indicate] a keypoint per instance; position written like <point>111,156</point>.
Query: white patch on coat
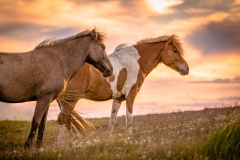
<point>113,118</point>
<point>124,58</point>
<point>129,118</point>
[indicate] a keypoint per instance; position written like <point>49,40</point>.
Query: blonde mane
<point>176,42</point>
<point>48,42</point>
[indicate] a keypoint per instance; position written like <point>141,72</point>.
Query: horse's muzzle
<point>184,71</point>
<point>107,73</point>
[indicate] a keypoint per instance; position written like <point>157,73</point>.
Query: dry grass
<point>157,136</point>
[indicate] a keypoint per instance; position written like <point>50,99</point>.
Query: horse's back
<point>121,46</point>
<point>23,76</point>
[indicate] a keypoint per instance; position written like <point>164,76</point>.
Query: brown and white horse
<point>131,65</point>
<point>43,73</point>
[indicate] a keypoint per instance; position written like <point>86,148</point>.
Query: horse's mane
<point>122,46</point>
<point>176,42</point>
<point>54,41</point>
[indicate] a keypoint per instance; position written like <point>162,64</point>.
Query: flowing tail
<point>79,125</point>
<point>73,121</point>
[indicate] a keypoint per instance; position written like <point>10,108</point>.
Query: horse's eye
<point>175,51</point>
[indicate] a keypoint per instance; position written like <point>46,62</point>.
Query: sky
<point>208,29</point>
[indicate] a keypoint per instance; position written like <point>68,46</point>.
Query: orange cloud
<point>24,24</point>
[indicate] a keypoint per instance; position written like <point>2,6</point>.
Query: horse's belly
<point>12,97</point>
<point>95,96</point>
<point>117,94</point>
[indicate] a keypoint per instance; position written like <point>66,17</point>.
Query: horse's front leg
<point>129,108</point>
<point>41,128</point>
<point>113,118</point>
<point>42,104</point>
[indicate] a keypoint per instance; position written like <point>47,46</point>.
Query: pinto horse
<point>131,65</point>
<point>43,73</point>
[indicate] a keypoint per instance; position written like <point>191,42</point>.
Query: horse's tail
<point>72,120</point>
<point>78,124</point>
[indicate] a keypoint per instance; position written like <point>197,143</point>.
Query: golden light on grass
<point>177,135</point>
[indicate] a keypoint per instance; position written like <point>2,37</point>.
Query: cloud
<point>193,9</point>
<point>30,31</point>
<point>123,2</point>
<point>220,80</point>
<point>216,37</point>
<point>197,11</point>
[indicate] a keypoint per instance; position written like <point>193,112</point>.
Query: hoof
<point>27,145</point>
<point>39,144</point>
<point>129,132</point>
<point>109,133</point>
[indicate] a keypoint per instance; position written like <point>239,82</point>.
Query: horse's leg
<point>70,132</point>
<point>41,128</point>
<point>113,118</point>
<point>42,104</point>
<point>65,122</point>
<point>61,127</point>
<point>129,107</point>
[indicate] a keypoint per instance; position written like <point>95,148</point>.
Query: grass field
<point>181,135</point>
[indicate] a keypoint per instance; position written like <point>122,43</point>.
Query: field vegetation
<point>207,134</point>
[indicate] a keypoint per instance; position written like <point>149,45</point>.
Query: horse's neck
<point>73,55</point>
<point>150,56</point>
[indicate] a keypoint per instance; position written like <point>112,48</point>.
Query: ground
<point>157,136</point>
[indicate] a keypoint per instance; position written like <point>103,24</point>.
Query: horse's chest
<point>125,76</point>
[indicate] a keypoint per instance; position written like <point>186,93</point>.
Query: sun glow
<point>162,5</point>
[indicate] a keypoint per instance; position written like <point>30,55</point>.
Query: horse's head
<point>97,55</point>
<point>171,56</point>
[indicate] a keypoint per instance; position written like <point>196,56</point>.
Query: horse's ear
<point>94,34</point>
<point>169,41</point>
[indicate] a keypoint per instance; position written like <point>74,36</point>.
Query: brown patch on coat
<point>111,78</point>
<point>122,98</point>
<point>133,91</point>
<point>114,111</point>
<point>62,119</point>
<point>149,56</point>
<point>121,79</point>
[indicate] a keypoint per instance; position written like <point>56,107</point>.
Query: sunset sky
<point>209,31</point>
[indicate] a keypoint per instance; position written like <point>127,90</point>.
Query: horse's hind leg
<point>41,128</point>
<point>113,118</point>
<point>70,132</point>
<point>62,121</point>
<point>61,129</point>
<point>42,104</point>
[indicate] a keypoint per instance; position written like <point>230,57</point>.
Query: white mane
<point>121,46</point>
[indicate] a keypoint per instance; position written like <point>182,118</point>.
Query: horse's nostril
<point>109,72</point>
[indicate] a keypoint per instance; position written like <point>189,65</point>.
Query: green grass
<point>181,135</point>
<point>224,144</point>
